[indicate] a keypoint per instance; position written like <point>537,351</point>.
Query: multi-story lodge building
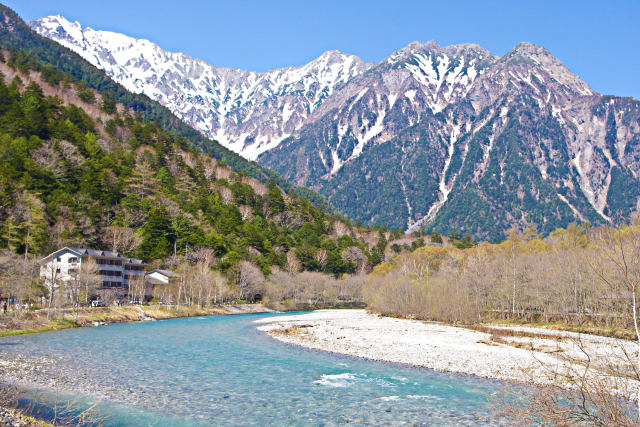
<point>116,270</point>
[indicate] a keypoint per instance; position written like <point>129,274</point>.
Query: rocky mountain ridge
<point>451,138</point>
<point>248,112</point>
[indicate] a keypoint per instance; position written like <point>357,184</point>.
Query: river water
<point>221,370</point>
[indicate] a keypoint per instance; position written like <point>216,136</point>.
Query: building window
<point>73,260</point>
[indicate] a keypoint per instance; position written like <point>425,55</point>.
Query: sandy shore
<point>526,357</point>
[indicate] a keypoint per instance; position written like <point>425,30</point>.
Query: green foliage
<point>276,201</point>
<point>84,93</point>
<point>30,51</point>
<point>624,190</point>
<point>108,102</point>
<point>64,181</point>
<point>158,234</point>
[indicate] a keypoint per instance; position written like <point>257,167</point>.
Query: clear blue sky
<point>598,40</point>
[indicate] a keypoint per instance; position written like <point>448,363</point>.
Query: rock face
<point>456,139</point>
<point>450,138</point>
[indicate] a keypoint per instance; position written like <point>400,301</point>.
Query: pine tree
<point>276,201</point>
<point>35,226</point>
<point>142,181</point>
<point>11,233</point>
<point>158,235</point>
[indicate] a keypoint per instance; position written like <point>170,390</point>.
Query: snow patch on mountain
<point>249,112</point>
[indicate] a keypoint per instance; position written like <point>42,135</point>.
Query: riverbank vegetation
<point>574,276</point>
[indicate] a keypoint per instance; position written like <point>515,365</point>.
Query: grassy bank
<point>24,322</point>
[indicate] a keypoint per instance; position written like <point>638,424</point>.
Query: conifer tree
<point>276,201</point>
<point>11,233</point>
<point>158,235</point>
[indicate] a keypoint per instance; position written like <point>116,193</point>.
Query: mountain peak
<point>530,50</point>
<point>452,50</point>
<point>59,25</point>
<point>334,56</point>
<point>533,56</point>
<point>55,21</point>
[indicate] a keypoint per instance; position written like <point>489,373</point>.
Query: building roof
<point>95,253</point>
<point>165,273</point>
<point>154,281</point>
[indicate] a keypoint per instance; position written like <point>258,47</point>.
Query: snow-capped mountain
<point>456,139</point>
<point>248,112</point>
<point>451,138</point>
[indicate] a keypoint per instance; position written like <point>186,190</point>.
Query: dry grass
<point>499,336</point>
<point>9,397</point>
<point>501,333</point>
<point>292,330</point>
<point>585,328</point>
<point>166,312</point>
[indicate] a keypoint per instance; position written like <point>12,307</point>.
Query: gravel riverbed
<point>448,348</point>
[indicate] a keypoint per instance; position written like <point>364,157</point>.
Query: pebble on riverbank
<point>13,418</point>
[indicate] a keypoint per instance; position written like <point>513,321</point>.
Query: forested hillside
<point>77,168</point>
<point>52,58</point>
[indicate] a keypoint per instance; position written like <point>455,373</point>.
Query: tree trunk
<point>635,327</point>
<point>26,243</point>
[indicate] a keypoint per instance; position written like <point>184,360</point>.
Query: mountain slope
<point>76,172</point>
<point>247,112</point>
<point>15,35</point>
<point>455,139</point>
<point>447,138</point>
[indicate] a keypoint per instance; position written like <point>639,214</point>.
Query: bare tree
<point>293,264</point>
<point>50,273</point>
<point>249,279</point>
<point>108,296</point>
<point>618,265</point>
<point>321,256</point>
<point>225,194</point>
<point>137,287</point>
<point>246,212</point>
<point>121,239</point>
<point>84,281</point>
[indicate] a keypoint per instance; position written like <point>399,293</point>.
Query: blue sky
<point>597,40</point>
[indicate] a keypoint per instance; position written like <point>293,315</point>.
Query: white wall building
<point>116,270</point>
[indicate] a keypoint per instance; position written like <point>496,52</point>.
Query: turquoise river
<point>220,370</point>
